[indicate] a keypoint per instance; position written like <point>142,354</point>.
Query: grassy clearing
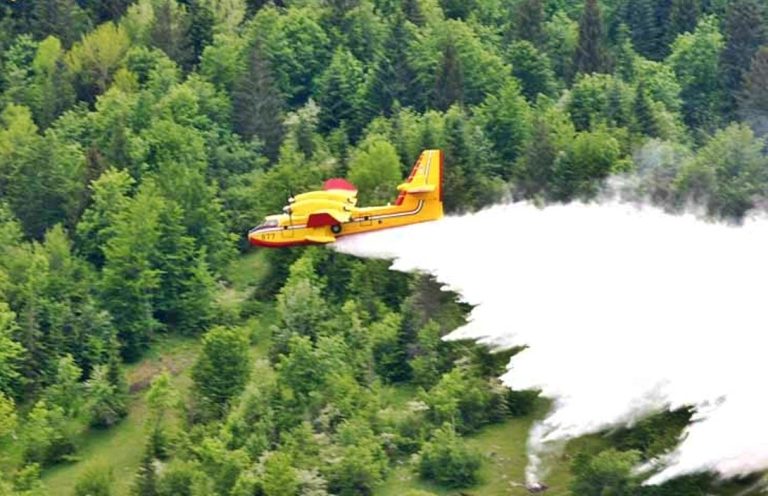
<point>120,449</point>
<point>503,447</point>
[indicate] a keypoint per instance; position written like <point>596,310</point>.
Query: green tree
<point>506,120</point>
<point>161,398</point>
<point>129,277</point>
<point>728,173</point>
<point>446,460</point>
<point>413,12</point>
<point>529,21</point>
<point>301,308</point>
<point>95,58</point>
<point>610,472</point>
<point>11,353</point>
<point>169,31</point>
<point>744,31</point>
<point>754,98</point>
<point>145,480</point>
<point>8,418</point>
<point>590,53</point>
<point>684,16</point>
<point>41,177</point>
<point>375,169</point>
<point>339,92</point>
<point>257,103</point>
<point>66,390</point>
<point>533,69</point>
<point>599,99</point>
<point>95,481</point>
<point>591,157</point>
<point>298,47</point>
<point>695,59</point>
<point>51,91</point>
<point>47,438</point>
<point>109,196</point>
<point>185,297</point>
<point>645,120</point>
<point>393,78</point>
<point>562,39</point>
<point>551,131</point>
<point>449,81</point>
<point>61,18</point>
<point>362,463</point>
<point>222,369</point>
<point>106,402</point>
<point>279,477</point>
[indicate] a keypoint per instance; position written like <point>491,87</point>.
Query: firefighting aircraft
<point>319,217</point>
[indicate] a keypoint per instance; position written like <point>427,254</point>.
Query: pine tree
<point>413,12</point>
<point>645,122</point>
<point>590,53</point>
<point>449,83</point>
<point>257,102</point>
<point>339,93</point>
<point>145,483</point>
<point>106,10</point>
<point>744,33</point>
<point>184,299</point>
<point>683,18</point>
<point>200,32</point>
<point>753,102</point>
<point>393,79</point>
<point>529,20</point>
<point>169,31</point>
<point>61,18</point>
<point>11,353</point>
<point>222,369</point>
<point>129,277</point>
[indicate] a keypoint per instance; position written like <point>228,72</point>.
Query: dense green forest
<point>140,140</point>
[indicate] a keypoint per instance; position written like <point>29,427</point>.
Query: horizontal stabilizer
<point>416,188</point>
<point>320,239</point>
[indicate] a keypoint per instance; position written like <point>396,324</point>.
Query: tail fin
<point>426,178</point>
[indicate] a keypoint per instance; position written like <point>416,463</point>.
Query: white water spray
<point>624,312</point>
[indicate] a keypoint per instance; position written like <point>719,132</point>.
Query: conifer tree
<point>529,21</point>
<point>753,103</point>
<point>61,18</point>
<point>413,12</point>
<point>590,53</point>
<point>449,83</point>
<point>129,277</point>
<point>200,32</point>
<point>169,31</point>
<point>744,32</point>
<point>257,102</point>
<point>222,369</point>
<point>683,18</point>
<point>339,92</point>
<point>11,353</point>
<point>392,79</point>
<point>645,122</point>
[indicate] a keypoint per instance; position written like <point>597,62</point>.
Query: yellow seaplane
<point>319,217</point>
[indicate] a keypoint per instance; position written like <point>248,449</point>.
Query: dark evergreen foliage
<point>257,103</point>
<point>744,31</point>
<point>140,140</point>
<point>590,53</point>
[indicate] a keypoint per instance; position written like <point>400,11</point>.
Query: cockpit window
<point>268,223</point>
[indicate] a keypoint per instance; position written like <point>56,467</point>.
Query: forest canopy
<point>139,140</point>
